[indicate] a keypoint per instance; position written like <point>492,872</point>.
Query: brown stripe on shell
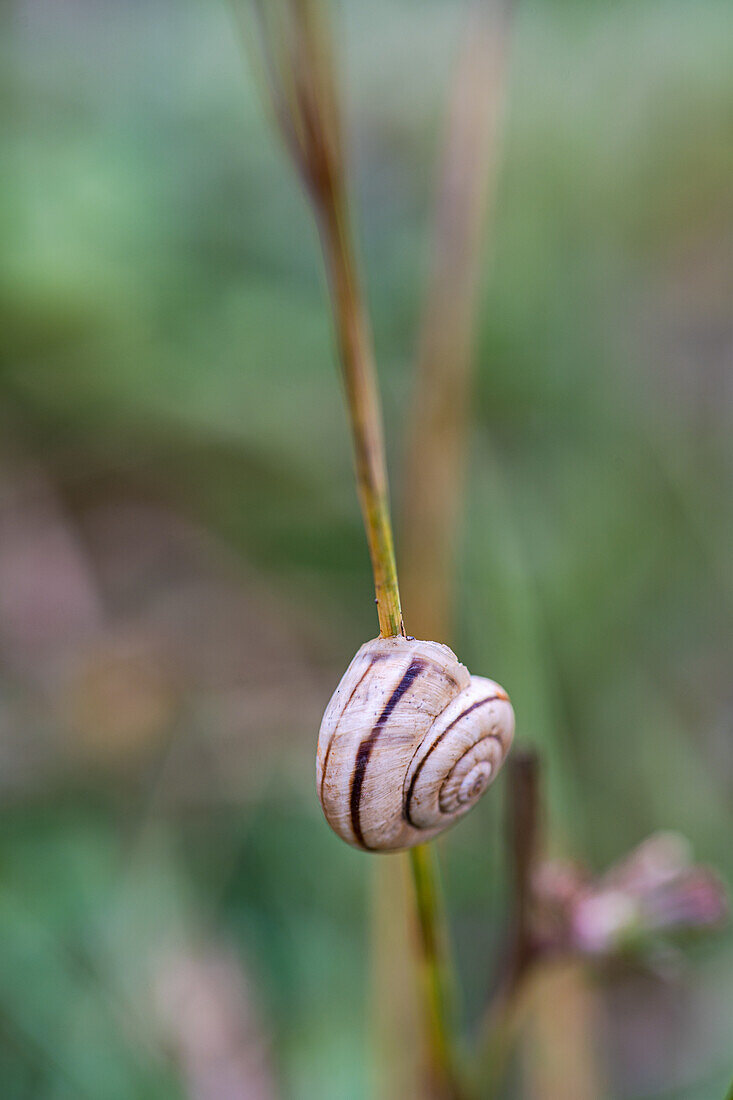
<point>373,661</point>
<point>418,769</point>
<point>366,746</point>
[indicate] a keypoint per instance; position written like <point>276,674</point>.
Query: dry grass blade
<point>439,410</point>
<point>439,429</point>
<point>299,70</point>
<point>300,73</point>
<point>431,503</point>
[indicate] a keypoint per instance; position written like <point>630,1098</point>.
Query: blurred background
<point>183,572</point>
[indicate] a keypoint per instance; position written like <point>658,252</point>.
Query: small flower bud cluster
<point>656,891</point>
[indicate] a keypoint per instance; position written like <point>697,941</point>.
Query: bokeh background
<point>183,573</point>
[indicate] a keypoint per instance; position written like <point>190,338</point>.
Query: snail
<point>408,743</point>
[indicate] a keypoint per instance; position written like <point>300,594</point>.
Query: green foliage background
<point>167,353</point>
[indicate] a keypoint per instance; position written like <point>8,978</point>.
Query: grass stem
<point>364,407</point>
<point>299,69</point>
<point>437,976</point>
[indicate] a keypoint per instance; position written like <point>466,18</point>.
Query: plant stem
<point>523,824</point>
<point>436,974</point>
<point>300,70</point>
<point>440,407</point>
<point>371,474</point>
<point>439,429</point>
<point>362,399</point>
<point>299,66</point>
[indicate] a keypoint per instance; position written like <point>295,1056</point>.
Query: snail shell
<point>409,742</point>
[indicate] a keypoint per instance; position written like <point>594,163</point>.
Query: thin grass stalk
<point>299,69</point>
<point>362,399</point>
<point>397,989</point>
<point>436,460</point>
<point>441,396</point>
<point>559,1028</point>
<point>440,407</point>
<point>445,1077</point>
<point>300,73</point>
<point>523,825</point>
<point>550,1008</point>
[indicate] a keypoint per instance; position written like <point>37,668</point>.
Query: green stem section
<point>436,974</point>
<point>365,414</point>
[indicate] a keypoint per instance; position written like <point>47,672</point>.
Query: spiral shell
<point>408,744</point>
